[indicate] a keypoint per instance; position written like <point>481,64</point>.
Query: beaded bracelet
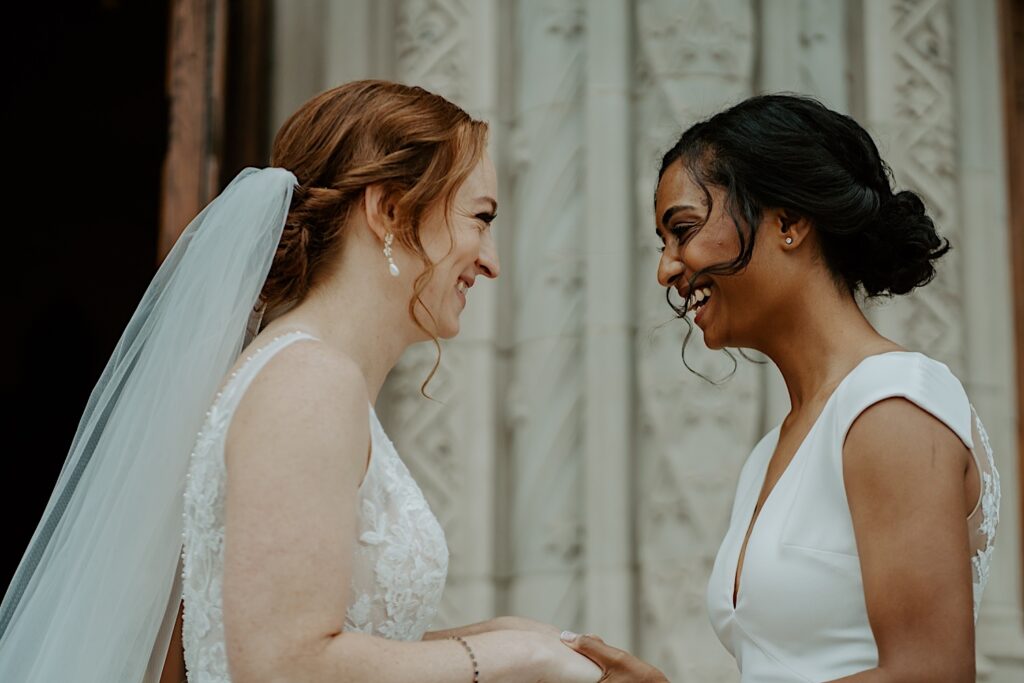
<point>472,657</point>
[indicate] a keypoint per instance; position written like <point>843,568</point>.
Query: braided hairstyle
<point>417,145</point>
<point>791,152</point>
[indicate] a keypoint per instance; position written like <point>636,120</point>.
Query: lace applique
<point>990,493</point>
<point>202,552</point>
<point>405,546</point>
<point>400,563</point>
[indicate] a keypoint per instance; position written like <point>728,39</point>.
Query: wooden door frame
<point>1011,21</point>
<point>195,89</point>
<point>218,85</point>
<point>218,89</point>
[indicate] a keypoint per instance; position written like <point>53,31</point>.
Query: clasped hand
<point>617,666</point>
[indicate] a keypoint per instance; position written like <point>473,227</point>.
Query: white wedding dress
<point>401,558</point>
<point>799,612</point>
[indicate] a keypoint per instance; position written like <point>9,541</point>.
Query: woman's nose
<point>670,267</point>
<point>488,262</point>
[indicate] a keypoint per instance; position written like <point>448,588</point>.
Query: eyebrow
<point>672,211</point>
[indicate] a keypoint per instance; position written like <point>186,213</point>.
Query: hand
<point>617,665</point>
<point>554,661</point>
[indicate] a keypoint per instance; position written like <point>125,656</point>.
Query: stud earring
<point>392,268</point>
<point>789,240</point>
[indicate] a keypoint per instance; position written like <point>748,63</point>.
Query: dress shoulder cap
<point>922,380</point>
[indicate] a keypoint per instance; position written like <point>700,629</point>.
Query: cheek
<point>706,249</point>
<point>436,236</point>
<point>467,245</point>
<point>725,241</point>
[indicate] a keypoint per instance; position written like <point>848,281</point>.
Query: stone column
<point>543,410</point>
<point>905,95</point>
<point>608,324</point>
<point>297,57</point>
<point>692,58</point>
<point>803,49</point>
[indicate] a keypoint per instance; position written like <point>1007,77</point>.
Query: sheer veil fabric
<point>95,597</point>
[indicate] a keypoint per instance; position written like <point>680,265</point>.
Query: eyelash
<point>485,220</point>
<point>677,231</point>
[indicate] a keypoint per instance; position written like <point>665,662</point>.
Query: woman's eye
<point>680,232</point>
<point>661,249</point>
<point>484,221</point>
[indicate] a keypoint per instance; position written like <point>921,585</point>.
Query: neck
<point>356,317</point>
<point>818,340</point>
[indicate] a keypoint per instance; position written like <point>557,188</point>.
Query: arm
<point>295,455</point>
<point>496,624</point>
<point>904,473</point>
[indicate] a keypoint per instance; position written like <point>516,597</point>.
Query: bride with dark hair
<point>862,530</point>
<point>229,486</point>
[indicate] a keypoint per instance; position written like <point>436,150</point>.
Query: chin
<point>714,341</point>
<point>449,331</point>
<point>713,345</point>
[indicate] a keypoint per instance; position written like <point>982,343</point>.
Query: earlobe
<point>793,229</point>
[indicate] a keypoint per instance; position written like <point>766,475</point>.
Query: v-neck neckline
<point>755,514</point>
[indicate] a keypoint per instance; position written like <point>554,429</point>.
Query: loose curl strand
<point>416,145</point>
<point>791,152</point>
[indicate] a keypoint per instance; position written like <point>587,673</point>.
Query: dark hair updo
<point>793,153</point>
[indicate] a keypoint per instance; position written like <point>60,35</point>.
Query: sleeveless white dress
<point>800,612</point>
<point>401,560</point>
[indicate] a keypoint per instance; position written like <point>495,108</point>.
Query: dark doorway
<point>85,130</point>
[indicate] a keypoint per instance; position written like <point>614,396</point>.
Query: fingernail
<point>569,636</point>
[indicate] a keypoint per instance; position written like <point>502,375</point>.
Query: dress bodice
<point>800,612</point>
<point>401,557</point>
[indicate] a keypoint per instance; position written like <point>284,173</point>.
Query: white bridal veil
<point>96,594</point>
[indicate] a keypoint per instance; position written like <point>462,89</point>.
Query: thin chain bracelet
<point>472,657</point>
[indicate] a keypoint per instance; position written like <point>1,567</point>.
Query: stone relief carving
<point>822,40</point>
<point>430,45</point>
<point>692,58</point>
<point>430,49</point>
<point>923,158</point>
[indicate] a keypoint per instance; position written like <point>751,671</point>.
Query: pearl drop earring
<point>392,268</point>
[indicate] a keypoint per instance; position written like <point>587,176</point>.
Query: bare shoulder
<point>903,471</point>
<point>307,397</point>
<point>897,437</point>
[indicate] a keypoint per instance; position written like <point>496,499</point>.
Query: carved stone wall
<point>437,44</point>
<point>582,474</point>
<point>907,99</point>
<point>925,86</point>
<point>543,402</point>
<point>691,59</point>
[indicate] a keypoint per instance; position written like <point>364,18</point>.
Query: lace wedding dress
<point>401,560</point>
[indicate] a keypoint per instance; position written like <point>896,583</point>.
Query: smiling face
<point>731,309</point>
<point>461,251</point>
